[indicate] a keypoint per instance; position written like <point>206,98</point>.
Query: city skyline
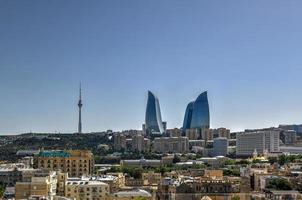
<point>246,54</point>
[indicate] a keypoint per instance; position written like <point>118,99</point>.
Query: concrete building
<point>288,137</point>
<point>193,134</point>
<point>141,163</point>
<point>221,132</point>
<point>40,186</point>
<point>220,146</point>
<point>171,144</point>
<point>14,172</point>
<point>119,141</point>
<point>174,132</point>
<point>85,189</point>
<point>74,162</point>
<point>261,141</point>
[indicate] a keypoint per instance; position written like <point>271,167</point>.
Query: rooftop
<point>48,154</point>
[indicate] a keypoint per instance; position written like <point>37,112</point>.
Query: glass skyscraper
<point>188,116</point>
<point>197,114</point>
<point>153,121</point>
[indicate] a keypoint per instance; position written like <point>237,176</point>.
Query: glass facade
<point>197,113</point>
<point>153,121</point>
<point>188,116</point>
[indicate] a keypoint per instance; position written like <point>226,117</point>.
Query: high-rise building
<point>74,162</point>
<point>153,121</point>
<point>220,146</point>
<point>261,141</point>
<point>197,115</point>
<point>188,116</point>
<point>288,137</point>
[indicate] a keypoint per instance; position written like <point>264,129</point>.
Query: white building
<point>261,140</point>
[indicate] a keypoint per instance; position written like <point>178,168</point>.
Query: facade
<point>119,141</point>
<point>153,121</point>
<point>288,137</point>
<point>261,141</point>
<point>82,189</point>
<point>9,176</point>
<point>12,173</point>
<point>141,163</point>
<point>38,187</point>
<point>220,146</point>
<point>74,162</point>
<point>188,116</point>
<point>197,115</point>
<point>171,144</point>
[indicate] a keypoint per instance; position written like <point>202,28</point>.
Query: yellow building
<point>151,178</point>
<point>38,187</point>
<point>74,162</point>
<point>81,189</point>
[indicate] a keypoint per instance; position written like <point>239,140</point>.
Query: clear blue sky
<point>247,54</point>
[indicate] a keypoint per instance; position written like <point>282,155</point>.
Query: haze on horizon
<point>246,54</point>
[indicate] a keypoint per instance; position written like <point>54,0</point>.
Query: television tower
<point>80,110</point>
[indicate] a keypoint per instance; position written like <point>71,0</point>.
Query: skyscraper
<point>153,121</point>
<point>188,116</point>
<point>197,114</point>
<point>80,111</point>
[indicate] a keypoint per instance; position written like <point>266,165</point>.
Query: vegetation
<point>231,172</point>
<point>236,197</point>
<point>279,184</point>
<point>54,141</point>
<point>284,159</point>
<point>2,190</point>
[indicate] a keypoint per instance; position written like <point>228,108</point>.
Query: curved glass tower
<point>188,116</point>
<point>153,121</point>
<point>197,113</point>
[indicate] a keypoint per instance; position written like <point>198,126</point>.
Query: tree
<point>176,159</point>
<point>236,197</point>
<point>2,190</point>
<point>279,184</point>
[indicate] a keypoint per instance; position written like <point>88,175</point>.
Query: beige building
<point>119,141</point>
<point>37,187</point>
<point>74,162</point>
<point>151,178</point>
<point>82,189</point>
<point>171,145</point>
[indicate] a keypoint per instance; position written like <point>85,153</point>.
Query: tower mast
<point>80,110</point>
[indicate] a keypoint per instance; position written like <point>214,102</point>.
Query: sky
<point>246,54</point>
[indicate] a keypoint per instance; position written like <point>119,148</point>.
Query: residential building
<point>119,141</point>
<point>261,141</point>
<point>171,144</point>
<point>288,137</point>
<point>40,186</point>
<point>85,189</point>
<point>220,146</point>
<point>74,162</point>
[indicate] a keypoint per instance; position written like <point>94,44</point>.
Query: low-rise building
<point>131,194</point>
<point>40,186</point>
<point>74,162</point>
